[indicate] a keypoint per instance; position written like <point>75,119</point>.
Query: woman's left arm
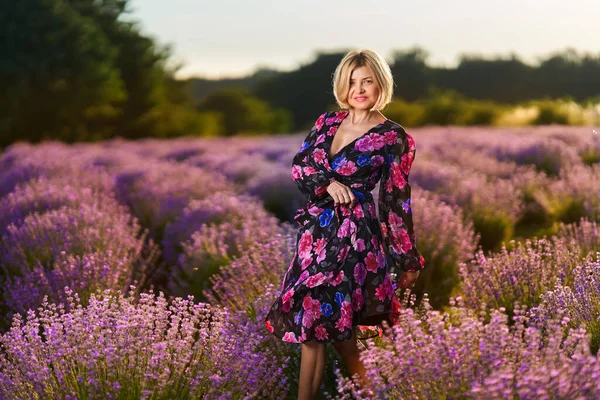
<point>395,213</point>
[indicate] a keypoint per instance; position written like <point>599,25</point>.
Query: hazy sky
<point>233,37</point>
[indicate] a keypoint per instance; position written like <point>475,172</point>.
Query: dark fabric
<point>340,274</point>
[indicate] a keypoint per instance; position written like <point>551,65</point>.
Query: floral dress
<point>339,276</point>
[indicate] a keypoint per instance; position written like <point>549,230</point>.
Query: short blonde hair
<point>356,59</point>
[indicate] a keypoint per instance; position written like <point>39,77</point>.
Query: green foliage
<point>58,72</point>
<point>549,113</point>
<point>493,227</point>
<point>74,70</point>
<point>244,113</point>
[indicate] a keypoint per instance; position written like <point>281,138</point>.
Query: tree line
<point>75,70</point>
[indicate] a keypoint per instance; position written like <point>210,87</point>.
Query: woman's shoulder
<point>403,136</point>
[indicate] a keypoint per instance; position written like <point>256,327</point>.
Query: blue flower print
<point>298,317</point>
<point>363,160</point>
<point>338,162</point>
<point>304,146</point>
<point>325,217</point>
<point>359,195</point>
<point>406,206</point>
<point>388,160</point>
<point>339,298</point>
<point>326,309</point>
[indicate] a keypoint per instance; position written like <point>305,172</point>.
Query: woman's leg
<point>349,351</point>
<point>312,364</point>
<point>319,369</point>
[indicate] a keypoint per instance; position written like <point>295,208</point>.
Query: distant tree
<point>77,70</point>
<point>58,72</point>
<point>243,113</point>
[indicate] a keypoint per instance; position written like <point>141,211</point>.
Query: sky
<point>232,38</point>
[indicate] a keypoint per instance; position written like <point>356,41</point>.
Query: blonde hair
<point>360,58</point>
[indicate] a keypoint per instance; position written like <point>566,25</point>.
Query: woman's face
<point>363,91</point>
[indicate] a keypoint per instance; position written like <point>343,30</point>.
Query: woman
<point>339,279</point>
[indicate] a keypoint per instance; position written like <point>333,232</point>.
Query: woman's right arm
<point>312,182</point>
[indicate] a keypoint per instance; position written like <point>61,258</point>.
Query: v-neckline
<point>330,159</point>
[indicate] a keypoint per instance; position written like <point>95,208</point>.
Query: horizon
<point>206,37</point>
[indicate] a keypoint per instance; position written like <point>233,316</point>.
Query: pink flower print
<point>385,289</point>
<point>331,120</point>
<point>360,273</point>
<point>296,172</point>
<point>411,142</point>
<point>390,137</point>
<point>306,262</point>
<point>347,228</point>
<point>302,337</point>
<point>359,245</point>
<point>343,253</point>
<point>376,161</point>
<point>345,320</point>
<point>321,332</point>
<point>357,299</point>
<point>288,295</point>
<point>269,326</point>
<point>388,185</point>
<point>377,141</point>
<point>338,279</point>
<point>303,277</point>
<point>347,169</point>
<point>320,249</point>
<point>380,260</point>
<point>309,171</point>
<point>290,337</point>
<point>384,231</point>
<point>315,280</point>
<point>406,162</point>
<point>305,245</point>
<point>374,241</point>
<point>358,211</point>
<point>320,139</point>
<point>364,144</point>
<point>340,115</point>
<point>371,262</point>
<point>396,176</point>
<point>400,240</point>
<point>287,303</point>
<point>331,131</point>
<point>321,190</point>
<point>319,155</point>
<point>372,209</point>
<point>320,121</point>
<point>312,310</point>
<point>314,210</point>
<point>345,210</point>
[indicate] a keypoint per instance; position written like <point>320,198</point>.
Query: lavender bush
<point>458,355</point>
<point>44,194</point>
<point>581,304</point>
<point>522,274</point>
<point>216,245</point>
<point>158,193</point>
<point>97,244</point>
<point>130,348</point>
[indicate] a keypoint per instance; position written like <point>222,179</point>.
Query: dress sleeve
<point>395,214</point>
<point>311,178</point>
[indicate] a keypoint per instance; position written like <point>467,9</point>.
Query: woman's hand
<point>408,279</point>
<point>341,193</point>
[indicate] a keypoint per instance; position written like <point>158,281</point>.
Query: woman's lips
<point>360,99</point>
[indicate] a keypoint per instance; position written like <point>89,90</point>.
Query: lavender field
<point>145,269</point>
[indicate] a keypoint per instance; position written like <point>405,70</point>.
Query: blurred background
<point>88,70</point>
